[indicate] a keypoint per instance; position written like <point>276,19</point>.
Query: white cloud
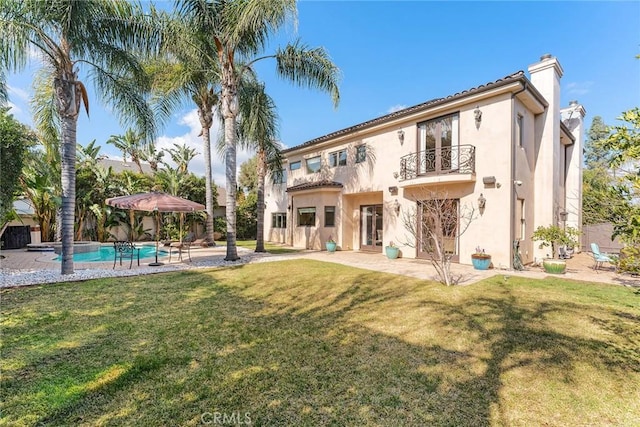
<point>395,108</point>
<point>578,88</point>
<point>21,94</point>
<point>14,109</point>
<point>191,139</point>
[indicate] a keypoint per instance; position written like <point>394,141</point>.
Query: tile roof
<point>313,185</point>
<point>518,76</point>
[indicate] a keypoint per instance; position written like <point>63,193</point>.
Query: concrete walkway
<point>580,267</point>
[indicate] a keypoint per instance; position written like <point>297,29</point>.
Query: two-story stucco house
<point>507,145</point>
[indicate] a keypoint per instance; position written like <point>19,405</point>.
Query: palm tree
<point>258,128</point>
<point>131,143</point>
<point>151,155</point>
<point>189,73</point>
<point>182,156</point>
<point>240,31</point>
<point>99,34</point>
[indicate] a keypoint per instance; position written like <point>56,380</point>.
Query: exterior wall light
<point>401,136</point>
<point>477,114</point>
<point>393,190</point>
<point>481,203</point>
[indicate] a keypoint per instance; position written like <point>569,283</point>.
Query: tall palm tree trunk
<point>262,171</point>
<point>68,136</point>
<point>229,112</point>
<point>206,121</point>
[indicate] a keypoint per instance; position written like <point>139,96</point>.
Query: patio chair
<point>125,249</point>
<point>599,257</point>
<point>181,246</point>
<point>563,253</point>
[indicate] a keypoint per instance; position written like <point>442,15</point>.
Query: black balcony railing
<point>459,159</point>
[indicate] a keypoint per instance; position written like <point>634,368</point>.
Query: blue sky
<point>395,54</point>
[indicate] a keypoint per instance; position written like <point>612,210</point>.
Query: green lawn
<point>271,248</point>
<point>309,343</point>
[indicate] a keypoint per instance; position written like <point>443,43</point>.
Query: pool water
<point>106,253</point>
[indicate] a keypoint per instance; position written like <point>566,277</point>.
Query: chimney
<point>545,76</point>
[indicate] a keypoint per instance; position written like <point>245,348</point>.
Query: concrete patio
<point>580,267</point>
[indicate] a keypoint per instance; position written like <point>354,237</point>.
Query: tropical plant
<point>151,155</point>
<point>240,30</point>
<point>554,236</point>
<point>37,184</point>
<point>182,156</point>
<point>100,34</point>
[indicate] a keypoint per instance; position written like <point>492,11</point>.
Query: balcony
<point>449,164</point>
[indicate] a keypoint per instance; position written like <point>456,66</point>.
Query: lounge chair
<point>125,249</point>
<point>599,257</point>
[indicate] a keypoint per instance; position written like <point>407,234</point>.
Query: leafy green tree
<point>247,177</point>
<point>240,29</point>
<point>594,154</point>
<point>624,144</point>
<point>100,34</point>
<point>15,138</point>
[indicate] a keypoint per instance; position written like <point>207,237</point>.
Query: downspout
<point>291,221</point>
<point>512,205</point>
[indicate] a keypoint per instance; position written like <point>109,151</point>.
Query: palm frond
<point>309,67</point>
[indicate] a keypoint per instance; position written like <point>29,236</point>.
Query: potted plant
<point>480,259</point>
<point>391,250</point>
<point>554,237</point>
<point>331,245</point>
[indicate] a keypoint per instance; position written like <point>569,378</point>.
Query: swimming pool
<point>106,253</point>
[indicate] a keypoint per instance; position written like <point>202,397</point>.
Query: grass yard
<point>310,343</point>
<point>271,248</point>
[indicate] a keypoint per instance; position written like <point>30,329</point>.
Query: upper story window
<point>280,177</point>
<point>438,144</point>
<point>338,158</point>
<point>313,164</point>
<point>294,165</point>
<point>361,153</point>
<point>519,130</point>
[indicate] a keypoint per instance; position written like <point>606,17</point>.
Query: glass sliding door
<point>371,228</point>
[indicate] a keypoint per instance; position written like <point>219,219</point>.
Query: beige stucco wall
<point>526,192</point>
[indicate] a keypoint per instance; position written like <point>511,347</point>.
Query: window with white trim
<point>338,158</point>
<point>279,220</point>
<point>313,164</point>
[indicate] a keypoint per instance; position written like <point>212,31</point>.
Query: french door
<point>371,228</point>
<point>437,227</point>
<point>438,145</point>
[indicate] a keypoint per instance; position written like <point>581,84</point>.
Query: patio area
<point>21,267</point>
